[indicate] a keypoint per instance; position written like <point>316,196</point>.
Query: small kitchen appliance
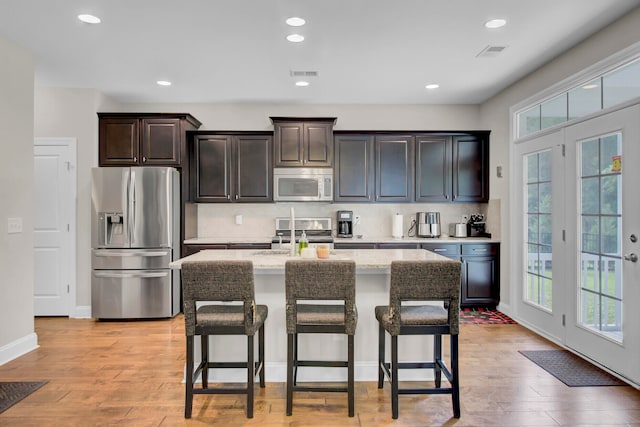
<point>458,229</point>
<point>345,223</point>
<point>476,227</point>
<point>428,224</point>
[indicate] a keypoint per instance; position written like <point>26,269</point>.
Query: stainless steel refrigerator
<point>135,233</point>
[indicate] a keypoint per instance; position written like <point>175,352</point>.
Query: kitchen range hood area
<point>234,185</point>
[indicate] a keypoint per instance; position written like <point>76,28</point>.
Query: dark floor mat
<point>484,316</point>
<point>571,369</point>
<point>13,392</point>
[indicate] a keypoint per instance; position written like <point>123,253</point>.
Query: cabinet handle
<point>135,159</point>
<point>480,250</point>
<point>439,250</point>
<point>446,196</point>
<point>237,197</point>
<point>228,197</point>
<point>144,159</point>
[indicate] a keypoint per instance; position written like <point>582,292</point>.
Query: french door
<point>539,196</point>
<point>602,217</point>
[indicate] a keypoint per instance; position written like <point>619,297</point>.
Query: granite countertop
<point>367,239</point>
<point>273,260</point>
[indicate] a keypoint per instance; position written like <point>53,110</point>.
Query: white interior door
<point>603,225</point>
<point>54,226</point>
<point>538,195</point>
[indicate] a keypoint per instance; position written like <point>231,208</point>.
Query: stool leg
<point>381,345</point>
<point>204,351</point>
<point>188,400</point>
<point>261,355</point>
<point>394,377</point>
<point>250,375</point>
<point>295,359</point>
<point>290,339</point>
<point>455,386</point>
<point>437,358</point>
<point>350,377</point>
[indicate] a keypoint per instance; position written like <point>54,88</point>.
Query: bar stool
<point>328,280</point>
<point>221,281</point>
<point>421,281</point>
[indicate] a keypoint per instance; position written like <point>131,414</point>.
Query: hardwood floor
<point>129,373</point>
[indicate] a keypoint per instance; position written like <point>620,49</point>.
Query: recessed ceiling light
<point>163,83</point>
<point>432,86</point>
<point>294,21</point>
<point>591,86</point>
<point>302,83</point>
<point>89,19</point>
<point>495,23</point>
<point>295,38</point>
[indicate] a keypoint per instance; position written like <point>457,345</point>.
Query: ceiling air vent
<point>490,51</point>
<point>298,73</point>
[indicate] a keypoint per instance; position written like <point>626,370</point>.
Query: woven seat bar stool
<point>332,281</point>
<point>421,281</point>
<point>221,281</point>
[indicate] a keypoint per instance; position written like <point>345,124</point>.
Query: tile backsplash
<point>258,220</point>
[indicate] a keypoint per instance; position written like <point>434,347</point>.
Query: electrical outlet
<point>14,225</point>
<point>356,219</point>
<point>465,218</point>
<point>238,219</point>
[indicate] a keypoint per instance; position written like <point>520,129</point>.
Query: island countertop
<point>273,260</point>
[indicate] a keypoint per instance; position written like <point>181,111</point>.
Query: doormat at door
<point>13,392</point>
<point>572,370</point>
<point>484,316</point>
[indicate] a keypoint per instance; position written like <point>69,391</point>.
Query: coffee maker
<point>345,223</point>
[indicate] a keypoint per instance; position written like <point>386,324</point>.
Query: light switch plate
<point>14,225</point>
<point>238,219</point>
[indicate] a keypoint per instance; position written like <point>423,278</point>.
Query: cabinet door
<point>160,142</point>
<point>394,168</point>
<point>479,281</point>
<point>470,168</point>
<point>450,250</point>
<point>318,144</point>
<point>354,169</point>
<point>433,169</point>
<point>119,141</point>
<point>212,169</point>
<point>288,144</point>
<point>253,170</point>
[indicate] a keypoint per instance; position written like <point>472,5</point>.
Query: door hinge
<point>68,165</point>
<point>563,150</point>
<point>563,320</point>
<point>564,235</point>
<point>68,227</point>
<point>67,288</point>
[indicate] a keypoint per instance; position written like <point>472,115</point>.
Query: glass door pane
<point>600,238</point>
<point>539,282</point>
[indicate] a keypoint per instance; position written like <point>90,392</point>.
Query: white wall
<point>61,112</point>
<point>16,193</point>
<point>495,114</point>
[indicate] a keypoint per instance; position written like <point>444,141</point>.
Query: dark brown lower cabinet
<point>480,281</point>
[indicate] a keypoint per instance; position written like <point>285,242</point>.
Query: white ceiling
<point>235,51</point>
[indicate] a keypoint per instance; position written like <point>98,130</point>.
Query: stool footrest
<point>319,388</point>
<point>433,390</point>
<point>220,390</point>
<point>322,363</point>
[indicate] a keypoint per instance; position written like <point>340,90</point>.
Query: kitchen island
<point>373,268</point>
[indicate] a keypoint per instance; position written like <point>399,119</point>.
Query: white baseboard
<point>17,348</point>
<point>82,312</point>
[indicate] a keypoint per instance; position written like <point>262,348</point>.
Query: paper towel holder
<point>397,226</point>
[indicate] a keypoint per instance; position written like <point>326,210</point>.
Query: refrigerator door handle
<point>132,204</point>
<point>119,254</point>
<point>126,275</point>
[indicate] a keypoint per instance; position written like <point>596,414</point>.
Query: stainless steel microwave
<point>303,184</point>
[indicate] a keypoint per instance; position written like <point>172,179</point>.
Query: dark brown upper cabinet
<point>234,167</point>
<point>452,168</point>
<point>303,142</point>
<point>395,158</point>
<point>354,168</point>
<point>147,139</point>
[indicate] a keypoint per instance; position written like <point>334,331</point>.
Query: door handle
<point>631,257</point>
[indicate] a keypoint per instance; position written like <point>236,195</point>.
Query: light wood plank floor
<point>129,373</point>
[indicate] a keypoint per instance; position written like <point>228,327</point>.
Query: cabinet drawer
<point>398,246</point>
<point>347,245</point>
<point>485,249</point>
<point>444,249</point>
